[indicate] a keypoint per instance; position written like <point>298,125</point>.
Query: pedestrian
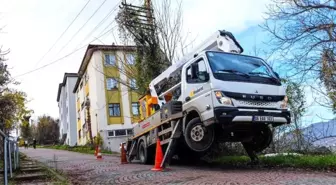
<point>34,143</point>
<point>26,144</point>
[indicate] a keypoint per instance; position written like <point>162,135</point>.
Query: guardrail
<point>10,148</point>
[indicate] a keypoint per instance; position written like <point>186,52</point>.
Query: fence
<point>10,157</point>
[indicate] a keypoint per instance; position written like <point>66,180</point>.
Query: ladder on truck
<point>176,133</point>
<point>172,143</point>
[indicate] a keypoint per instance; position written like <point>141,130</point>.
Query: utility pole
<point>149,12</point>
<point>137,16</point>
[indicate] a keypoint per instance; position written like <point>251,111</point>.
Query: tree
<point>300,32</point>
<point>328,75</point>
<point>156,36</point>
<point>47,130</point>
<point>88,121</point>
<point>296,103</point>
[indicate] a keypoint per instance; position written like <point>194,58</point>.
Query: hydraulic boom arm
<point>219,41</point>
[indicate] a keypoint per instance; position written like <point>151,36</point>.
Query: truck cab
<point>240,95</point>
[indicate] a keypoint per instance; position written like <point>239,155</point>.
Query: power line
<point>59,59</point>
<point>94,13</point>
<point>101,22</point>
<point>59,38</point>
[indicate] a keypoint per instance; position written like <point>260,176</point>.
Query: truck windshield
<point>234,67</point>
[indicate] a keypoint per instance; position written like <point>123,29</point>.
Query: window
<point>133,83</point>
<point>86,78</point>
<point>233,67</point>
<point>130,59</point>
<point>135,108</point>
<point>110,133</point>
<point>110,59</point>
<point>114,109</point>
<point>81,86</point>
<point>196,72</point>
<point>111,84</point>
<point>82,105</point>
<point>120,132</point>
<point>129,131</point>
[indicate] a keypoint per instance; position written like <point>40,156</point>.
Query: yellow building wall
<point>114,95</point>
<point>86,89</point>
<point>133,95</point>
<point>78,105</point>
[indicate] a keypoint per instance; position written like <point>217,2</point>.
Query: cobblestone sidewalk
<point>85,169</point>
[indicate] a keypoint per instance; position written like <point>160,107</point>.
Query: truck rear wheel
<point>198,137</point>
<point>145,155</point>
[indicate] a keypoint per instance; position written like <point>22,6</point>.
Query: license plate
<point>263,118</point>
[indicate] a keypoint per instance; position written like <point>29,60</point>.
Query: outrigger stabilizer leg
<point>251,153</point>
<point>172,144</point>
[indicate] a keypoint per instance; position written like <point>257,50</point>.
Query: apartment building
<point>105,94</point>
<point>67,109</point>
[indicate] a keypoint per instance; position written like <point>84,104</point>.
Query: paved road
<point>85,169</point>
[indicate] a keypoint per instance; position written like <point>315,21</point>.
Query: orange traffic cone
<point>123,154</point>
<point>99,155</point>
<point>158,157</point>
<point>96,151</point>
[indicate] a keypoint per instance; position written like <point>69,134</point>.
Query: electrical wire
<point>101,22</point>
<point>94,13</point>
<point>59,38</point>
<point>60,59</point>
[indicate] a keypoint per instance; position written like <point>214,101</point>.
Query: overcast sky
<point>32,27</point>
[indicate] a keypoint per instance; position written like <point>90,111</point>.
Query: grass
<point>318,162</point>
<point>80,149</point>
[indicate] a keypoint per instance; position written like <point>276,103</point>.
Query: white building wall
<point>67,111</point>
<point>62,107</point>
<point>71,120</point>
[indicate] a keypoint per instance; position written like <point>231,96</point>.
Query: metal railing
<point>10,157</point>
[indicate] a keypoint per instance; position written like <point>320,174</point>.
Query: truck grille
<point>244,103</point>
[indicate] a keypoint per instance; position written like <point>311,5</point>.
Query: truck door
<point>197,89</point>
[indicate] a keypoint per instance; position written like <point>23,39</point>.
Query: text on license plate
<point>263,118</point>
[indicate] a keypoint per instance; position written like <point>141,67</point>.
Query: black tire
<point>145,155</point>
<point>142,153</point>
<point>206,140</point>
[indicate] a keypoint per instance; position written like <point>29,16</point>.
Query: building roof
<point>66,75</point>
<point>88,54</point>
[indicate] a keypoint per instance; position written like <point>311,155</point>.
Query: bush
<point>304,161</point>
<point>81,149</point>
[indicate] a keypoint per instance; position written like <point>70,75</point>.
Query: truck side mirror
<point>277,75</point>
<point>203,76</point>
<point>194,70</point>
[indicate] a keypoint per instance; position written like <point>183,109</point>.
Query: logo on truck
<point>145,125</point>
<point>193,92</point>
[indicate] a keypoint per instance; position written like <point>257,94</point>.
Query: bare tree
<point>169,21</point>
<point>157,33</point>
<point>300,32</point>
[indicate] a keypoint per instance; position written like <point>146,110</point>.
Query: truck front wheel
<point>145,155</point>
<point>198,137</point>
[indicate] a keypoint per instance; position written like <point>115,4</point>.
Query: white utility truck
<point>215,94</point>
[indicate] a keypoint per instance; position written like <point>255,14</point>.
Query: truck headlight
<point>284,103</point>
<point>222,98</point>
